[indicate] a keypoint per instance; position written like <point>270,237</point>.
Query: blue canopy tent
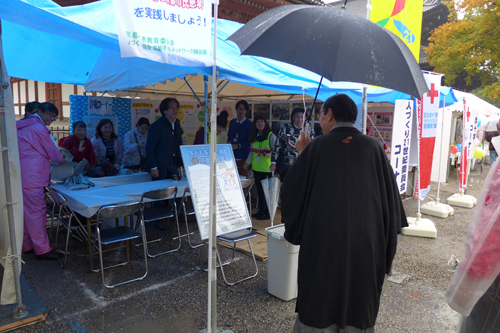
<point>79,45</point>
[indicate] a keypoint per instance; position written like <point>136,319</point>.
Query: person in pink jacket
<point>106,143</point>
<point>36,150</point>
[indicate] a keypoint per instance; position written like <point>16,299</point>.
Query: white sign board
<point>231,209</point>
<point>168,31</point>
<point>401,138</point>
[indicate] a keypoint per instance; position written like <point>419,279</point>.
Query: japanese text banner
<point>403,18</point>
<point>470,127</point>
<point>170,31</point>
<point>401,138</point>
<point>428,108</point>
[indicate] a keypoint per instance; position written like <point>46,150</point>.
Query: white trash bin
<point>282,264</point>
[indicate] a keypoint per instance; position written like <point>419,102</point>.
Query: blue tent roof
<point>79,45</point>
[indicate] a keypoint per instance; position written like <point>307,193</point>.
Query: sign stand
<point>417,226</point>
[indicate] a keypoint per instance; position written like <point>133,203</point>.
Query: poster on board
<point>232,212</point>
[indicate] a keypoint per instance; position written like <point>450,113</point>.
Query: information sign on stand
<point>232,212</point>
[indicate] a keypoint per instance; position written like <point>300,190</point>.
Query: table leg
<point>89,239</point>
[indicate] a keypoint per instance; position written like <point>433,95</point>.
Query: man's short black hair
<point>244,103</point>
<point>165,104</point>
<point>343,107</point>
<point>79,124</point>
<point>46,107</point>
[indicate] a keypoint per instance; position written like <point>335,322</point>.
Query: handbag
<point>142,163</point>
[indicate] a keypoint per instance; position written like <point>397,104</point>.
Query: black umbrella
<point>334,43</point>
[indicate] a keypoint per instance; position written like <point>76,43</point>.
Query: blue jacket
<point>243,131</point>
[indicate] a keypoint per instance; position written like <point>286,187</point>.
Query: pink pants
<point>35,221</point>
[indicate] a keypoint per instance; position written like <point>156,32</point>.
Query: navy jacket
<point>161,146</point>
<point>243,131</point>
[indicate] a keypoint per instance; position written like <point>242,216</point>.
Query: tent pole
<point>16,262</point>
<point>212,263</point>
<point>440,149</point>
<point>205,118</point>
<point>364,114</point>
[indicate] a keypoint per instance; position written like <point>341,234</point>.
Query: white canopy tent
<point>11,203</point>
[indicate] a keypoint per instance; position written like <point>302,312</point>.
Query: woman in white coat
<point>134,145</point>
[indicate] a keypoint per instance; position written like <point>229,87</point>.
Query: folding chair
<point>112,235</point>
<point>51,210</point>
<point>188,210</point>
<point>159,211</point>
<point>69,220</point>
<point>246,185</point>
<point>234,237</point>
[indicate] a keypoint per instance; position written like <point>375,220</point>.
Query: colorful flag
<point>402,17</point>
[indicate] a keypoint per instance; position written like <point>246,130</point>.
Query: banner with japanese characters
<point>428,112</point>
<point>401,138</point>
<point>470,127</point>
<point>169,31</point>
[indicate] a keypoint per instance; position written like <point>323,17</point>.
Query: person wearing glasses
<point>238,133</point>
<point>164,140</point>
<point>36,150</point>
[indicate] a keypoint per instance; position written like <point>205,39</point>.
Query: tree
<point>470,44</point>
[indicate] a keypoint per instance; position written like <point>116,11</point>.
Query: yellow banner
<point>403,18</point>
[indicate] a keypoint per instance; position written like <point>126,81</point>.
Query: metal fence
<point>59,132</point>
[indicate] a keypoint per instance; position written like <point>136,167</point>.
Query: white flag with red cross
<point>428,112</point>
<point>470,128</point>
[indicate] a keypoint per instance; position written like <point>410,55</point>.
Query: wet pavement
<point>173,297</point>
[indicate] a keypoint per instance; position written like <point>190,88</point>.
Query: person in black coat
<point>341,204</point>
<point>164,139</point>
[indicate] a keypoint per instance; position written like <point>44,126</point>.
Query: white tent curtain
<point>8,293</point>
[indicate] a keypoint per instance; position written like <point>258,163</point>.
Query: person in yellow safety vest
<point>221,125</point>
<point>262,141</point>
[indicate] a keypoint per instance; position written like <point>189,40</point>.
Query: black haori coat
<point>341,204</point>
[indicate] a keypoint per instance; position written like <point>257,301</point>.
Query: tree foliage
<point>470,44</point>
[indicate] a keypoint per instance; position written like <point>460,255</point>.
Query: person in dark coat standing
<point>341,204</point>
<point>238,133</point>
<point>164,139</point>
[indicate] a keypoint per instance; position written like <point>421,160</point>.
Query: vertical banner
<point>231,208</point>
<point>402,17</point>
<point>170,31</point>
<point>401,138</point>
<point>470,127</point>
<point>428,112</point>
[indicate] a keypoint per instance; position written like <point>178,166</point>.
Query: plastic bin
<point>282,264</point>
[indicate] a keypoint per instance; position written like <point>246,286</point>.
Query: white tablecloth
<point>117,180</point>
<point>87,202</point>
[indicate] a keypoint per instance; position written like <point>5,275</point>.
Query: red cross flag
<point>428,111</point>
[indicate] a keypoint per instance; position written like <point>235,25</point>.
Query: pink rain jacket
<point>481,264</point>
<point>36,149</point>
